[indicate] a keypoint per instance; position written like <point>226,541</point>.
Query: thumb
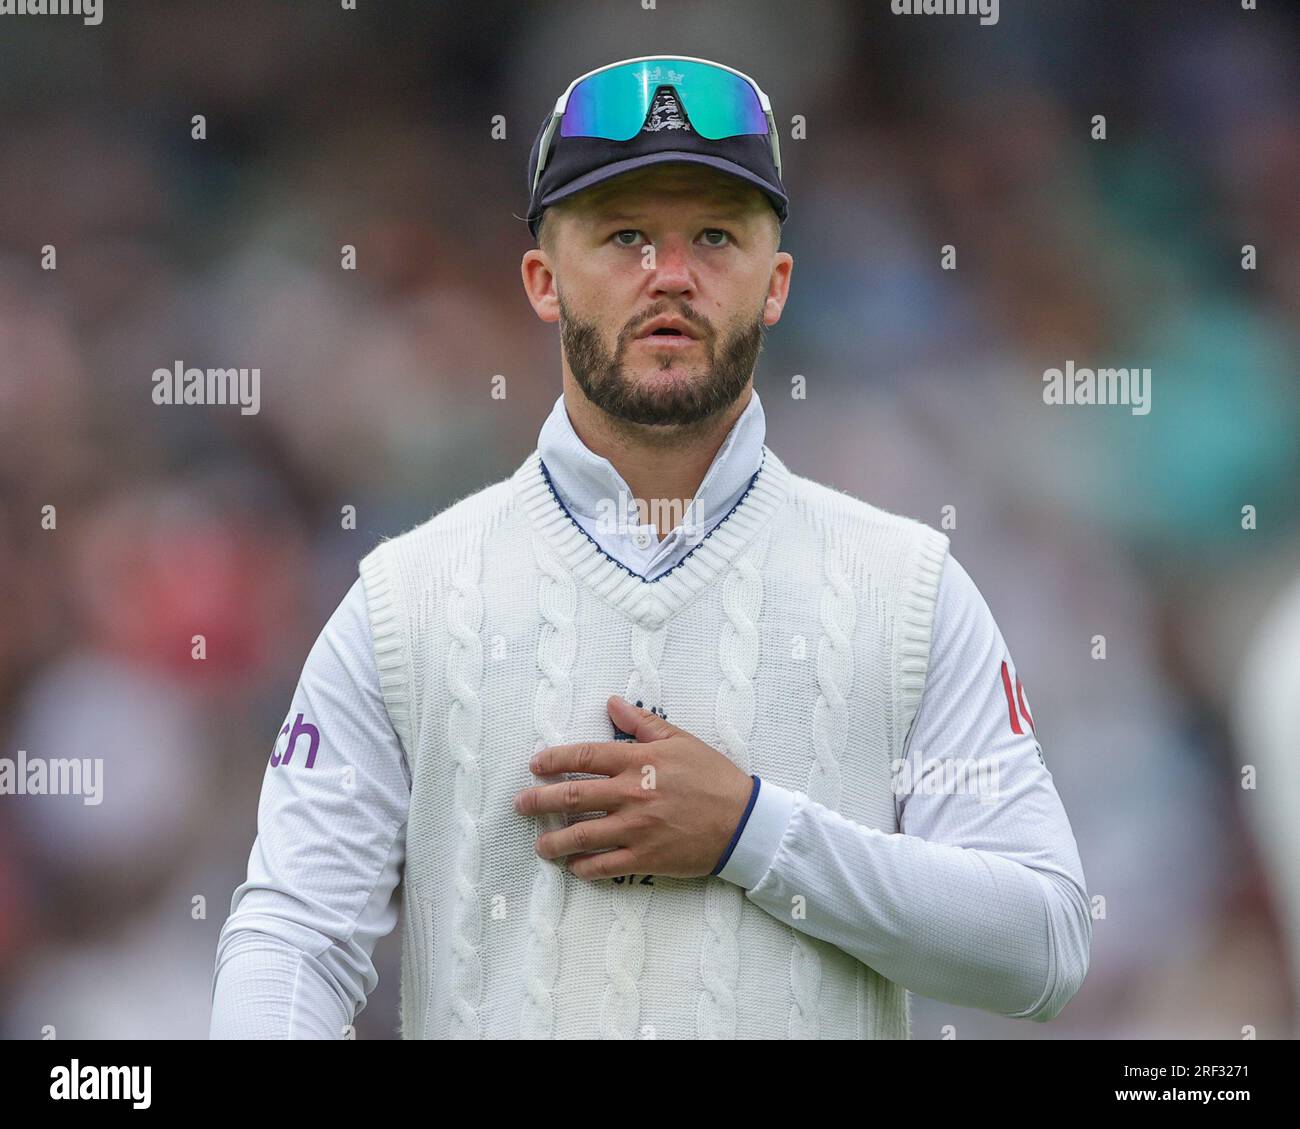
<point>641,723</point>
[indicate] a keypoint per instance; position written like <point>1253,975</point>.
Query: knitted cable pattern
<point>629,901</point>
<point>464,732</point>
<point>837,615</point>
<point>892,567</point>
<point>557,647</point>
<point>738,651</point>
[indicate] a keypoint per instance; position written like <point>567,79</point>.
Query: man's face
<point>677,242</point>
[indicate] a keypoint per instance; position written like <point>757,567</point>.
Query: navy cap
<point>577,163</point>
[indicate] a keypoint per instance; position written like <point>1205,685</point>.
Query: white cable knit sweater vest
<point>795,639</point>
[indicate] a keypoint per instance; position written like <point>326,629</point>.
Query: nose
<point>673,274</point>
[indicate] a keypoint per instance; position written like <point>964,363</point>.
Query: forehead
<point>672,185</point>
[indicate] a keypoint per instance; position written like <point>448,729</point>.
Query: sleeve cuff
<point>760,837</point>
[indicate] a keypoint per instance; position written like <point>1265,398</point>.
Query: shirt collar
<point>583,478</point>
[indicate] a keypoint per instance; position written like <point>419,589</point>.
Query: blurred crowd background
<point>373,128</point>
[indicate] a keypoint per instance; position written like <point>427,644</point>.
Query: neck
<point>662,466</point>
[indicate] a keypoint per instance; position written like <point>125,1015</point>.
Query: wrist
<point>747,796</point>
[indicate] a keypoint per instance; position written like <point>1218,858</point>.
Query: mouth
<point>670,330</point>
<point>666,340</point>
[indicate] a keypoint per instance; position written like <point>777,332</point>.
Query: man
<point>782,768</point>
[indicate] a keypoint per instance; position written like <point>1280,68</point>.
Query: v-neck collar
<point>650,602</point>
<point>588,484</point>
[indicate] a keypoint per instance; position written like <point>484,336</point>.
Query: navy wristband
<point>753,797</point>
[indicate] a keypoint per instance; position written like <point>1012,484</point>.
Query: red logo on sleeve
<point>1016,701</point>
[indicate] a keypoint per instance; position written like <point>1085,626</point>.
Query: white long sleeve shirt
<point>985,852</point>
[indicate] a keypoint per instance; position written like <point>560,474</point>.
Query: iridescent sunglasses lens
<point>613,103</point>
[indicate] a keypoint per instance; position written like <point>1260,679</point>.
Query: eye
<point>626,231</point>
<point>717,231</point>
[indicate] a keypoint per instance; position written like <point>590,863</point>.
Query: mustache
<point>687,313</point>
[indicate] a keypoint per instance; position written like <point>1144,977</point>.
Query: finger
<point>643,724</point>
<point>605,758</point>
<point>600,794</point>
<point>609,864</point>
<point>582,837</point>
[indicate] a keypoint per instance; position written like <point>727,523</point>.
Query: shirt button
<point>642,540</point>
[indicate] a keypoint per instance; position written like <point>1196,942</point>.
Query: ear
<point>778,287</point>
<point>641,723</point>
<point>539,285</point>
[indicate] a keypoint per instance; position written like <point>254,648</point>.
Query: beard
<point>692,401</point>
